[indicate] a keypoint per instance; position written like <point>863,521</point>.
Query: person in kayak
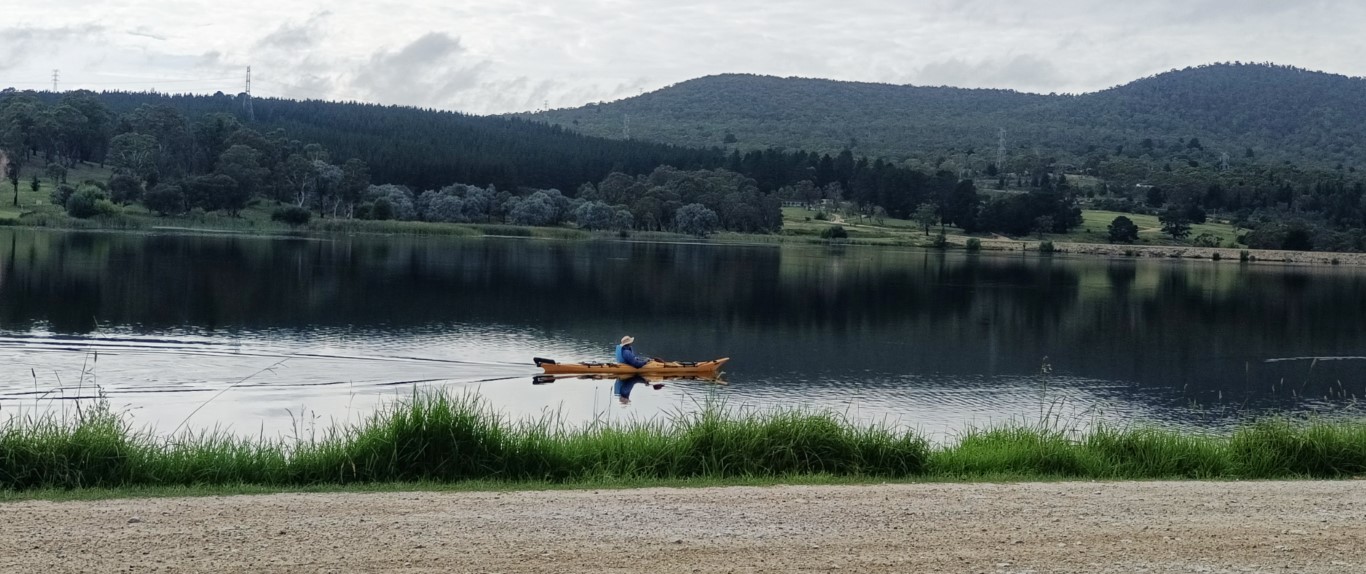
<point>627,356</point>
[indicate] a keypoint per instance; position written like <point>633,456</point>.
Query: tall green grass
<point>438,437</point>
<point>444,438</point>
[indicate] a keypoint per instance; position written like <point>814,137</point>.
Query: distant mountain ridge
<point>1278,112</point>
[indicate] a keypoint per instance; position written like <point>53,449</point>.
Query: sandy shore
<point>1062,527</point>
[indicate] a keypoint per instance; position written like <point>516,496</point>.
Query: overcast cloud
<point>513,55</point>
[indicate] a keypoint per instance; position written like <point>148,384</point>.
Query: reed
<point>436,437</point>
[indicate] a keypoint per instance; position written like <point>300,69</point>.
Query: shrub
<point>1216,256</point>
<point>834,232</point>
<point>382,210</point>
<point>1207,240</point>
<point>1046,247</point>
<point>821,216</point>
<point>940,242</point>
<point>974,244</point>
<point>292,215</point>
<point>61,193</point>
<point>1243,256</point>
<point>87,202</point>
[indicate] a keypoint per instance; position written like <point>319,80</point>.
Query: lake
<point>285,336</point>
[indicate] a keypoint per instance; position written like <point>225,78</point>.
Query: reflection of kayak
<point>651,368</point>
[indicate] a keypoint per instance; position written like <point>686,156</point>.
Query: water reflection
<point>927,334</point>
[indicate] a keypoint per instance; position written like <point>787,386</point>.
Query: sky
<point>496,56</point>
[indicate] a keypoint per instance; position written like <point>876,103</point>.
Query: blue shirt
<point>627,355</point>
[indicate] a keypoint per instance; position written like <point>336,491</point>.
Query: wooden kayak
<point>709,377</point>
<point>651,368</point>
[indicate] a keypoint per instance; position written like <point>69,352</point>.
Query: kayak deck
<point>653,367</point>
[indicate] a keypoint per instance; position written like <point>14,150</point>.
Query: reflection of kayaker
<point>622,388</point>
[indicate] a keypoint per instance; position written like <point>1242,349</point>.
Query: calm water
<point>281,336</point>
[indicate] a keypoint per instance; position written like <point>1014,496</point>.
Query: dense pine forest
<point>1281,113</point>
<point>1269,149</point>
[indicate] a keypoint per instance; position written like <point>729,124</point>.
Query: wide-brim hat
<point>627,340</point>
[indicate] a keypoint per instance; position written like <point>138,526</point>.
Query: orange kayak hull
<point>651,368</point>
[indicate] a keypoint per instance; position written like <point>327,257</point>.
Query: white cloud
<point>508,55</point>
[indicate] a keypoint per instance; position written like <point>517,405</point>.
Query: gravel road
<point>1015,528</point>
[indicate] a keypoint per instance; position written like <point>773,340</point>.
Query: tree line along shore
<point>82,159</point>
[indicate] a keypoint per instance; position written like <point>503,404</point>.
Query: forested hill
<point>427,149</point>
<point>1277,112</point>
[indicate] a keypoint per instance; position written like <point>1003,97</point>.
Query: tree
<point>536,209</point>
<point>242,164</point>
<point>355,180</point>
<point>165,199</point>
<point>1156,197</point>
<point>398,202</point>
<point>212,192</point>
<point>55,172</point>
<point>595,215</point>
<point>961,207</point>
<point>927,215</point>
<point>1043,224</point>
<point>1123,230</point>
<point>1175,223</point>
<point>11,169</point>
<point>299,176</point>
<point>328,186</point>
<point>170,131</point>
<point>133,154</point>
<point>124,188</point>
<point>695,219</point>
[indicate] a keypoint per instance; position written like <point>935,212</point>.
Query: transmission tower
<point>1223,162</point>
<point>246,99</point>
<point>54,80</point>
<point>1001,152</point>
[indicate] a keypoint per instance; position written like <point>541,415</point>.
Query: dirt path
<point>1065,527</point>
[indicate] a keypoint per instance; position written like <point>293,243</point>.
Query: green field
<point>1095,229</point>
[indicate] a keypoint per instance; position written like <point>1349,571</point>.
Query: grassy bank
<point>439,439</point>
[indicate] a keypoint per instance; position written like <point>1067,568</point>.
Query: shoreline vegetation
<point>799,232</point>
<point>444,440</point>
